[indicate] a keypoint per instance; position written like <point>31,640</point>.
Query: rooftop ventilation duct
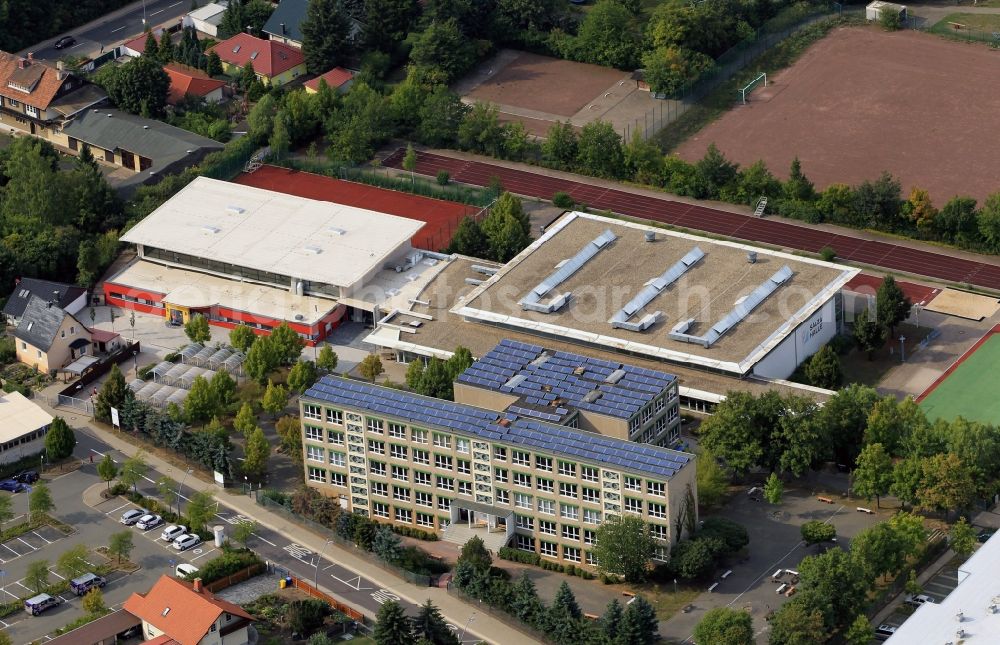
<point>650,236</point>
<point>752,257</point>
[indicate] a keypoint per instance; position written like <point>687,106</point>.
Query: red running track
<point>881,254</point>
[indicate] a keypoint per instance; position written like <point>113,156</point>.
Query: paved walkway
<point>485,625</point>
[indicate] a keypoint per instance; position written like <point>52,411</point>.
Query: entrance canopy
<point>81,365</point>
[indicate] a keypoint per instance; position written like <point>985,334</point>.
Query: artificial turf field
<point>970,388</point>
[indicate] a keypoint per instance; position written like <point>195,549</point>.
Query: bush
<point>827,254</point>
<point>443,177</point>
<point>563,200</point>
<point>890,20</point>
<point>145,371</point>
<point>419,534</point>
<point>230,562</point>
<point>172,357</point>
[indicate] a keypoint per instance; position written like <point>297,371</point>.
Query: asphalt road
<point>348,585</point>
<point>113,31</point>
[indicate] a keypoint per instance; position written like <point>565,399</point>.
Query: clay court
<point>862,101</point>
<point>442,217</point>
<point>539,91</point>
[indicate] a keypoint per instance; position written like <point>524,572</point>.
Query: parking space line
<point>264,539</point>
<point>11,550</point>
<point>28,544</point>
<point>118,509</point>
<point>15,596</point>
<point>42,538</point>
<point>56,574</point>
<point>5,624</point>
<point>18,583</point>
<point>202,555</point>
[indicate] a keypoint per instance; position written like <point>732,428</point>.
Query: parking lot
<point>939,585</point>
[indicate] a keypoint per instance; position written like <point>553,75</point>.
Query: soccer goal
<point>762,79</point>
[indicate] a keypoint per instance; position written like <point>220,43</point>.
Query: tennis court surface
<point>970,388</point>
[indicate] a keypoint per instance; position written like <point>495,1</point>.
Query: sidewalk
<point>485,625</point>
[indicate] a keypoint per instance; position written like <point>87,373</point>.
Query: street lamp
<point>902,357</point>
<point>181,487</point>
<point>472,617</point>
<point>135,362</point>
<point>319,557</point>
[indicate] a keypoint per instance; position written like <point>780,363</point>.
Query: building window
<point>464,488</point>
<point>462,446</point>
<point>375,426</point>
<point>500,453</point>
<point>464,466</point>
<point>31,110</point>
<point>421,457</point>
<point>543,463</point>
<point>545,485</point>
<point>338,479</point>
<point>403,515</point>
<point>570,532</point>
<point>314,434</point>
<point>658,531</point>
<point>397,431</point>
<point>418,436</point>
<point>657,510</point>
<point>377,447</point>
<point>661,554</point>
<point>311,412</point>
<point>567,490</point>
<point>546,527</point>
<point>525,542</point>
<point>548,549</point>
<point>314,453</point>
<point>400,473</point>
<point>569,511</point>
<point>442,461</point>
<point>442,440</point>
<point>398,452</point>
<point>659,489</point>
<point>380,488</point>
<point>591,560</point>
<point>337,459</point>
<point>524,522</point>
<point>421,478</point>
<point>317,475</point>
<point>522,501</point>
<point>380,510</point>
<point>335,437</point>
<point>633,483</point>
<point>423,519</point>
<point>503,497</point>
<point>423,499</point>
<point>445,483</point>
<point>500,474</point>
<point>591,516</point>
<point>376,468</point>
<point>522,479</point>
<point>571,553</point>
<point>567,469</point>
<point>589,537</point>
<point>400,493</point>
<point>336,417</point>
<point>591,495</point>
<point>546,506</point>
<point>519,458</point>
<point>633,505</point>
<point>444,503</point>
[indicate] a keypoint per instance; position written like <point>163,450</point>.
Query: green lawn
<point>977,27</point>
<point>971,390</point>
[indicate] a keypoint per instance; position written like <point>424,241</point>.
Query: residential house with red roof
<point>338,78</point>
<point>175,611</point>
<point>189,81</point>
<point>274,62</point>
<point>36,97</point>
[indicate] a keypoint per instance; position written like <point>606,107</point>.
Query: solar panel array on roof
<point>652,289</point>
<point>551,380</point>
<point>421,410</point>
<point>533,301</point>
<point>734,317</point>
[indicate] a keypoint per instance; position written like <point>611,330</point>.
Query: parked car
<point>173,532</point>
<point>86,582</point>
<point>12,486</point>
<point>185,570</point>
<point>185,542</point>
<point>918,599</point>
<point>985,535</point>
<point>148,521</point>
<point>26,477</point>
<point>884,631</point>
<point>64,42</point>
<point>131,517</point>
<point>41,602</point>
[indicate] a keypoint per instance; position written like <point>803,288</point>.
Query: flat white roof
<point>268,231</point>
<point>208,11</point>
<point>201,290</point>
<point>19,416</point>
<point>978,590</point>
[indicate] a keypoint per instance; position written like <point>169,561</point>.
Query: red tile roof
<point>139,42</point>
<point>174,608</point>
<point>334,78</point>
<point>188,80</point>
<point>269,58</point>
<point>41,81</point>
<point>102,335</point>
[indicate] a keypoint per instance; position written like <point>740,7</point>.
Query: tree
<point>958,221</point>
<point>392,627</point>
<point>325,35</point>
<point>611,620</point>
<point>524,601</point>
<point>196,329</point>
<point>798,187</point>
<point>873,473</point>
<point>843,418</point>
<point>120,544</point>
<point>386,544</point>
<point>167,489</point>
<point>912,587</point>
<point>37,576</point>
<point>469,239</point>
<point>245,420</point>
<point>713,481</point>
<point>599,150</point>
<point>260,122</point>
<point>431,626</point>
<point>715,171</point>
<point>223,388</point>
<point>439,117</point>
<point>559,148</point>
<point>370,367</point>
<point>262,359</point>
<point>73,561</point>
<point>892,423</point>
<point>60,440</point>
<point>200,509</point>
<point>275,398</point>
<point>107,469</point>
<point>624,547</point>
<point>93,602</point>
<point>213,64</point>
<point>733,535</point>
<point>474,554</point>
<point>859,632</point>
<point>725,626</point>
<point>823,369</point>
<point>241,337</point>
<point>868,334</point>
<point>233,20</point>
<point>607,37</point>
<point>671,70</point>
<point>794,624</point>
<point>139,86</point>
<point>639,624</point>
<point>891,304</point>
<point>280,141</point>
<point>817,532</point>
<point>774,488</point>
<point>244,530</point>
<point>410,161</point>
<point>201,403</point>
<point>946,484</point>
<point>388,21</point>
<point>133,470</point>
<point>290,432</point>
<point>921,210</point>
<point>962,538</point>
<point>112,395</point>
<point>302,376</point>
<point>833,584</point>
<point>695,559</point>
<point>505,235</point>
<point>306,616</point>
<point>564,615</point>
<point>256,452</point>
<point>166,51</point>
<point>40,499</point>
<point>327,359</point>
<point>287,343</point>
<point>443,51</point>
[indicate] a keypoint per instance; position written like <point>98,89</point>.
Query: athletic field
<point>970,388</point>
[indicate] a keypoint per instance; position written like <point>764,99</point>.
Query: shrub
<point>443,177</point>
<point>145,371</point>
<point>562,200</point>
<point>230,562</point>
<point>827,254</point>
<point>172,357</point>
<point>890,20</point>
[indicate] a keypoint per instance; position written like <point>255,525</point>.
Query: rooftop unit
<point>653,288</point>
<point>533,301</point>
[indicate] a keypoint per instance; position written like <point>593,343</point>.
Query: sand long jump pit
<point>539,91</point>
<point>861,101</point>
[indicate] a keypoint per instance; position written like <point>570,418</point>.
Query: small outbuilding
<point>874,10</point>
